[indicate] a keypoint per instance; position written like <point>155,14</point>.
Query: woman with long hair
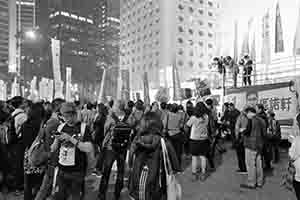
<point>199,142</point>
<point>33,176</point>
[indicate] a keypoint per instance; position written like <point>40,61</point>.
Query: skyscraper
<point>4,34</point>
<point>71,21</point>
<point>156,34</point>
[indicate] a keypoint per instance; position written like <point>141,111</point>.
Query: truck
<point>282,98</point>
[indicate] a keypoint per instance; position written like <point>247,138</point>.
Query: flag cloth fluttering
<point>146,89</point>
<point>266,45</point>
<point>253,49</point>
<point>297,37</point>
<point>176,84</point>
<point>279,43</point>
<point>245,45</point>
<point>235,57</point>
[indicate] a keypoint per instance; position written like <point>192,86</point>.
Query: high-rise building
<point>156,34</point>
<point>71,21</point>
<point>107,19</point>
<point>26,11</point>
<point>4,34</point>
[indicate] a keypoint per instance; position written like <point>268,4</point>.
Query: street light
<point>31,34</point>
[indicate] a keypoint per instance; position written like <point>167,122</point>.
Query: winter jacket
<point>241,123</point>
<point>255,139</point>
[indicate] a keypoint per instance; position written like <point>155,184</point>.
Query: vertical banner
<point>2,91</point>
<point>146,89</point>
<point>101,92</point>
<point>266,52</point>
<point>55,47</point>
<point>12,59</point>
<point>279,43</point>
<point>297,36</point>
<point>235,45</point>
<point>33,89</point>
<point>68,83</point>
<point>125,84</point>
<point>177,96</point>
<point>50,90</point>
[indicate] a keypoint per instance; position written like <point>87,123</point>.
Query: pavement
<point>224,183</point>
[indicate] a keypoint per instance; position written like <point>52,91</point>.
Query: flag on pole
<point>297,37</point>
<point>55,47</point>
<point>176,84</point>
<point>245,45</point>
<point>266,44</point>
<point>235,57</point>
<point>146,89</point>
<point>68,84</point>
<point>279,43</point>
<point>253,49</point>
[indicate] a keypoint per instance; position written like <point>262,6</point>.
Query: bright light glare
<point>31,34</point>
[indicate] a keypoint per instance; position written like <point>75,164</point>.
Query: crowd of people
<point>62,149</point>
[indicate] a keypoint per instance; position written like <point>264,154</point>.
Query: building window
<point>210,4</point>
<point>200,65</point>
<point>180,52</point>
<point>180,29</point>
<point>191,53</point>
<point>210,35</point>
<point>201,12</point>
<point>180,40</point>
<point>210,46</point>
<point>200,44</point>
<point>133,69</point>
<point>180,7</point>
<point>201,1</point>
<point>210,14</point>
<point>200,22</point>
<point>191,9</point>
<point>180,18</point>
<point>180,63</point>
<point>201,33</point>
<point>191,31</point>
<point>191,64</point>
<point>210,25</point>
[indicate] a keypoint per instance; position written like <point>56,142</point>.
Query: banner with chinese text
<point>55,47</point>
<point>68,83</point>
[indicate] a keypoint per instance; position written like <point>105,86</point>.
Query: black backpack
<point>121,134</point>
<point>11,134</point>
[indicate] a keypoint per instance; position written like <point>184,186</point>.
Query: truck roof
<point>259,87</point>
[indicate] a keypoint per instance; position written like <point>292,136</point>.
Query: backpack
<point>121,134</point>
<point>10,134</point>
<point>38,153</point>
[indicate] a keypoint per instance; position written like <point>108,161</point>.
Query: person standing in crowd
<point>173,124</point>
<point>33,176</point>
<point>240,127</point>
<point>18,116</point>
<point>73,143</point>
<point>233,115</point>
<point>155,109</point>
<point>87,114</point>
<point>274,135</point>
<point>136,116</point>
<point>50,127</point>
<point>164,110</point>
<point>98,130</point>
<point>116,124</point>
<point>294,154</point>
<point>129,108</point>
<point>199,143</point>
<point>253,142</point>
<point>267,150</point>
<point>189,109</point>
<point>212,125</point>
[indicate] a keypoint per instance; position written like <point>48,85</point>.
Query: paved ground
<point>224,184</point>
